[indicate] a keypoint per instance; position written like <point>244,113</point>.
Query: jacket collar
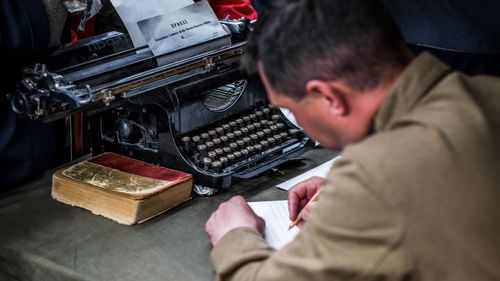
<point>417,79</point>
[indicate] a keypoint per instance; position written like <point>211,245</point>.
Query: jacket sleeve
<point>352,234</point>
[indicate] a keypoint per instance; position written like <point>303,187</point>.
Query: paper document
<point>185,27</point>
<point>320,171</point>
<point>132,12</point>
<point>275,213</point>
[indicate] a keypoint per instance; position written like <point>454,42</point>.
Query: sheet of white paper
<point>131,12</point>
<point>320,171</point>
<point>275,213</point>
<point>185,27</point>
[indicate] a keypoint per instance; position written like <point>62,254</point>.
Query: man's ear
<point>333,94</point>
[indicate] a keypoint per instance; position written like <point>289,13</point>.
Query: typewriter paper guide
<point>186,27</point>
<point>132,12</point>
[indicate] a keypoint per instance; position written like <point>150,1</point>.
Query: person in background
<point>415,193</point>
<point>464,34</point>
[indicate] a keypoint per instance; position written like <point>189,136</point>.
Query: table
<point>42,239</point>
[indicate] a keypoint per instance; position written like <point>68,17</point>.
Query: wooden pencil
<point>299,217</point>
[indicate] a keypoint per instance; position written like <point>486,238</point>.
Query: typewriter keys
<point>233,145</point>
<point>254,138</point>
<point>257,147</point>
<point>224,139</point>
<point>247,140</point>
<point>219,152</point>
<point>219,131</point>
<point>237,134</point>
<point>284,135</point>
<point>210,144</point>
<point>250,128</point>
<point>216,166</point>
<point>196,139</point>
<point>226,127</point>
<point>244,153</point>
<point>230,158</point>
<point>239,122</point>
<point>277,138</point>
<point>264,144</point>
<point>266,111</point>
<point>237,155</point>
<point>223,161</point>
<point>250,149</point>
<point>207,162</point>
<point>240,143</point>
<point>275,118</point>
<point>280,126</point>
<point>230,136</point>
<point>186,143</point>
<point>217,142</point>
<point>244,131</point>
<point>246,119</point>
<point>212,154</point>
<point>226,150</point>
<point>204,137</point>
<point>212,133</point>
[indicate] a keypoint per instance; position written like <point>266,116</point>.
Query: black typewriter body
<point>202,115</point>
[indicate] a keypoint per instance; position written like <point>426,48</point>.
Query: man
<point>415,194</point>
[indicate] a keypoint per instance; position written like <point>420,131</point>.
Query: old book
<point>123,189</point>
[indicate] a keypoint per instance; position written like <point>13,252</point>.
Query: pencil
<point>299,217</point>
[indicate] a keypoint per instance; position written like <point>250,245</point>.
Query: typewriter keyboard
<point>239,141</point>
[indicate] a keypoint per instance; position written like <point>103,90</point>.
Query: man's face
<point>309,117</point>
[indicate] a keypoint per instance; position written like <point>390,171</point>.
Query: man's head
<point>329,61</point>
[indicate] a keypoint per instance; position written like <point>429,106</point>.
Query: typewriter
<point>202,114</point>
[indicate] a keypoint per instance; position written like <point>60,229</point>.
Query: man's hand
<point>299,195</point>
<point>232,214</point>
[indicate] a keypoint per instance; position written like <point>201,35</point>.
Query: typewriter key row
<point>236,140</point>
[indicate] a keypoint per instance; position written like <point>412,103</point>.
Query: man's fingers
<point>299,195</point>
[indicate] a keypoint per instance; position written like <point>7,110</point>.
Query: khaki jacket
<point>417,200</point>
